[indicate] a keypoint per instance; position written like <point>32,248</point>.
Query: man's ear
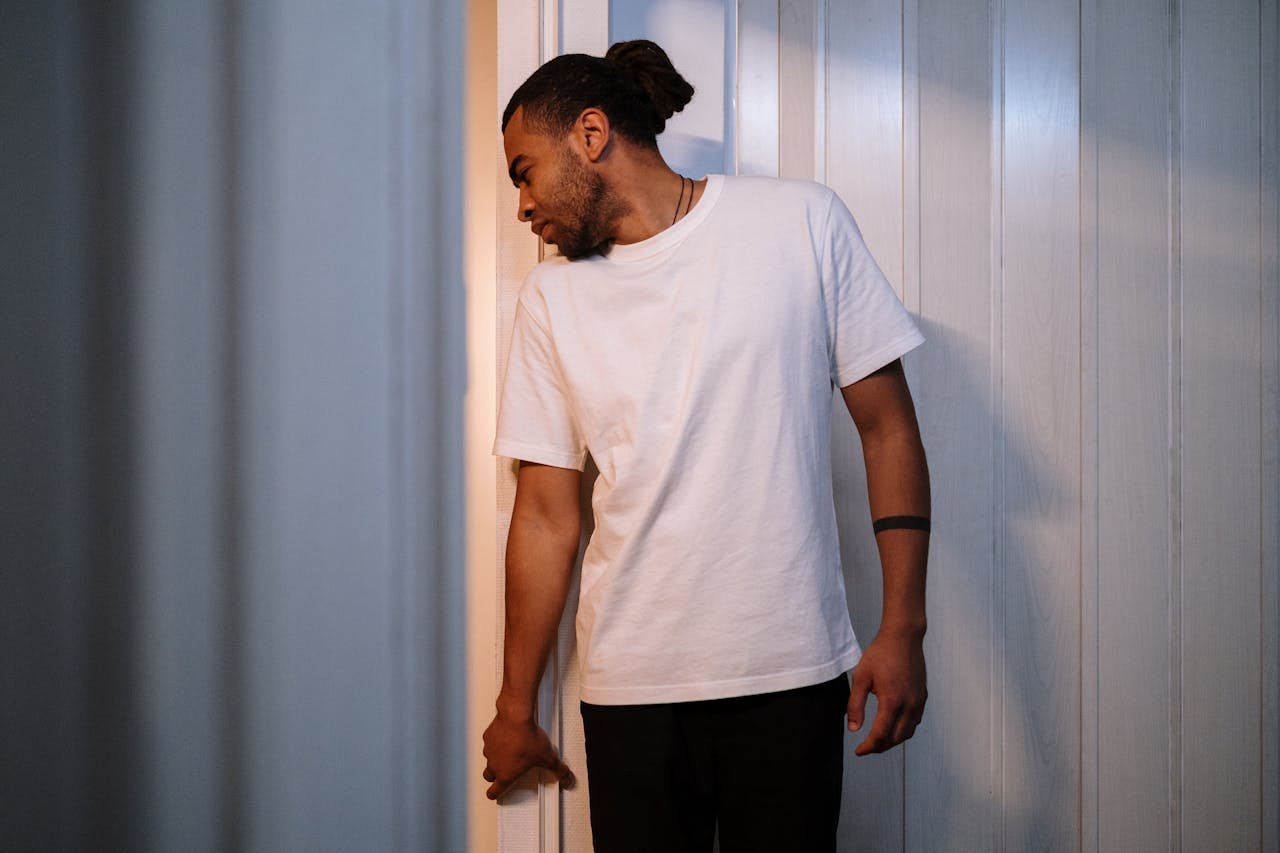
<point>592,132</point>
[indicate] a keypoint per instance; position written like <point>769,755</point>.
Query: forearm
<point>898,484</point>
<point>539,560</point>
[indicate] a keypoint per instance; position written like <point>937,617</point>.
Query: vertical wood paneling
<point>1086,230</point>
<point>910,164</point>
<point>1129,124</point>
<point>1090,97</point>
<point>757,91</point>
<point>864,166</point>
<point>798,29</point>
<point>1269,33</point>
<point>320,415</point>
<point>1041,426</point>
<point>951,788</point>
<point>426,447</point>
<point>182,297</point>
<point>484,164</point>
<point>1221,271</point>
<point>584,26</point>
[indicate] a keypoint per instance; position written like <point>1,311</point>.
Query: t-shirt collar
<point>668,237</point>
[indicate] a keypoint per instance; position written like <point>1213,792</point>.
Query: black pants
<point>766,769</point>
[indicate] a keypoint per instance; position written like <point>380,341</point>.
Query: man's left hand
<point>892,667</point>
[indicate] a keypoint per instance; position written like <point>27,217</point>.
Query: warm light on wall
<point>480,188</point>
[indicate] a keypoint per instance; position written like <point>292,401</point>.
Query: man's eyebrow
<point>515,167</point>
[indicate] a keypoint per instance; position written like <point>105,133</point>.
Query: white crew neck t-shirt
<point>697,368</point>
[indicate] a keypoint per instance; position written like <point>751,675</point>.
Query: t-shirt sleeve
<point>867,326</point>
<point>535,419</point>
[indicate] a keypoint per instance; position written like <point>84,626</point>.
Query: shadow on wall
<point>984,689</point>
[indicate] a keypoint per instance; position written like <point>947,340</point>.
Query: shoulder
<point>780,190</point>
<point>807,204</point>
<point>801,209</point>
<point>542,281</point>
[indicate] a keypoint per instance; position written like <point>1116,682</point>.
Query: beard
<point>592,210</point>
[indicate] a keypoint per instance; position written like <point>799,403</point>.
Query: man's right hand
<point>512,747</point>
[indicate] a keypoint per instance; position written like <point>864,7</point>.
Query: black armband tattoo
<point>906,522</point>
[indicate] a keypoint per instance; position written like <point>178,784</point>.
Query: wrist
<point>515,708</point>
<point>904,628</point>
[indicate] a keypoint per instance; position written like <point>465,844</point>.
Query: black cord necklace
<point>680,200</point>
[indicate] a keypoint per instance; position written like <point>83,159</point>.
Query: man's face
<point>565,201</point>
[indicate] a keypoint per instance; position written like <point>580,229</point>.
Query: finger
<point>857,709</point>
<point>565,776</point>
<point>495,791</point>
<point>489,775</point>
<point>553,765</point>
<point>905,727</point>
<point>550,760</point>
<point>881,731</point>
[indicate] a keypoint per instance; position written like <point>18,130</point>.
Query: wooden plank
<point>950,791</point>
<point>864,166</point>
<point>486,171</point>
<point>317,470</point>
<point>584,26</point>
<point>1091,68</point>
<point>182,283</point>
<point>1040,412</point>
<point>1221,452</point>
<point>797,124</point>
<point>429,377</point>
<point>757,90</point>
<point>1270,242</point>
<point>1130,120</point>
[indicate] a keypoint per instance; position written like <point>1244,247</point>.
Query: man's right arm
<point>541,548</point>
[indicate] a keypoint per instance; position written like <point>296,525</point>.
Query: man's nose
<point>525,214</point>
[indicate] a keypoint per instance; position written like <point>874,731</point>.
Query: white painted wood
<point>46,794</point>
<point>584,26</point>
<point>318,472</point>
<point>426,397</point>
<point>798,30</point>
<point>1129,121</point>
<point>999,644</point>
<point>1040,692</point>
<point>345,450</point>
<point>820,18</point>
<point>910,163</point>
<point>952,798</point>
<point>1175,426</point>
<point>757,87</point>
<point>257,403</point>
<point>1055,188</point>
<point>485,171</point>
<point>1269,236</point>
<point>1221,451</point>
<point>182,298</point>
<point>1089,71</point>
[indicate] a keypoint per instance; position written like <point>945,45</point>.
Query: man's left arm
<point>892,665</point>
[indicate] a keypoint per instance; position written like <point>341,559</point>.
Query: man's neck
<point>657,196</point>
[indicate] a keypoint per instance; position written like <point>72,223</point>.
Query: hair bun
<point>668,92</point>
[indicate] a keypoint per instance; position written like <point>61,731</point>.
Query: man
<point>689,337</point>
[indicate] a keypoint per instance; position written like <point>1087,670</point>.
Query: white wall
<point>233,371</point>
<point>1078,199</point>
